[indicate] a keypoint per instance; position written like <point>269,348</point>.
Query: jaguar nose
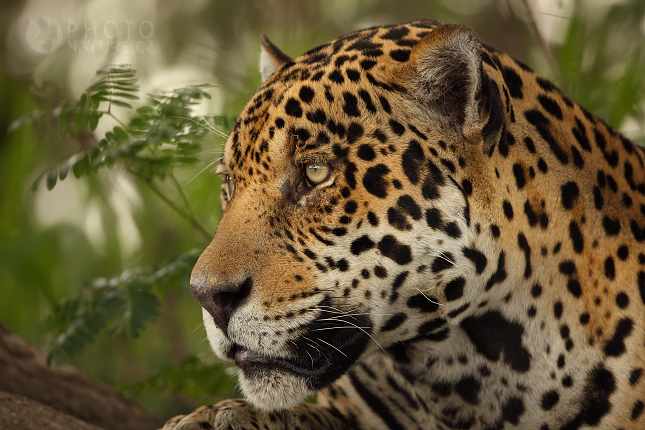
<point>220,299</point>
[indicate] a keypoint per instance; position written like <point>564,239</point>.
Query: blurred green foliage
<point>602,65</point>
<point>81,266</point>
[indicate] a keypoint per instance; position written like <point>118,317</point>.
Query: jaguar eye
<point>230,185</point>
<point>317,172</point>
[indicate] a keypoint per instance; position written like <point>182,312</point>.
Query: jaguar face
<point>338,226</point>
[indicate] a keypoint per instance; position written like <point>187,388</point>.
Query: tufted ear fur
<point>449,84</point>
<point>270,58</point>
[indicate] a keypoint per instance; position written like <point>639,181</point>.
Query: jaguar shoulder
<point>427,234</point>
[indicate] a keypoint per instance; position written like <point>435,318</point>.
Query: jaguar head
<point>342,222</point>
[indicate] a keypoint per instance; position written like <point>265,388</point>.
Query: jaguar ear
<point>270,58</point>
<point>449,84</point>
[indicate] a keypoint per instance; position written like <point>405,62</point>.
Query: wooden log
<point>25,373</point>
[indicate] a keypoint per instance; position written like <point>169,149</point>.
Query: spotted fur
<point>474,260</point>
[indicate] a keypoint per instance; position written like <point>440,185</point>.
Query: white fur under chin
<point>273,390</point>
<point>268,390</point>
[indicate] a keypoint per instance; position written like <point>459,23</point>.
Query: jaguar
<point>425,234</point>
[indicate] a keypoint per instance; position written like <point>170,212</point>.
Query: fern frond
<point>123,304</point>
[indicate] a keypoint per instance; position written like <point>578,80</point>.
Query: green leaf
<point>144,308</point>
<point>110,137</point>
<point>145,111</point>
<point>120,134</point>
<point>125,95</point>
<point>63,169</point>
<point>94,103</point>
<point>36,183</point>
<point>109,160</point>
<point>94,118</point>
<point>77,169</point>
<point>63,123</point>
<point>52,178</point>
<point>83,101</point>
<point>86,164</point>
<point>82,121</point>
<point>120,103</point>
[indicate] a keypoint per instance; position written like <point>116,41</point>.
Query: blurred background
<point>53,243</point>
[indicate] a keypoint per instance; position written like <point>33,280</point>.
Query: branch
<point>187,216</point>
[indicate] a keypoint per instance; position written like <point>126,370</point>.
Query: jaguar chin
<point>319,355</point>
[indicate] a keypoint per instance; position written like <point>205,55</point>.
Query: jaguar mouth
<point>245,359</point>
<point>325,351</point>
